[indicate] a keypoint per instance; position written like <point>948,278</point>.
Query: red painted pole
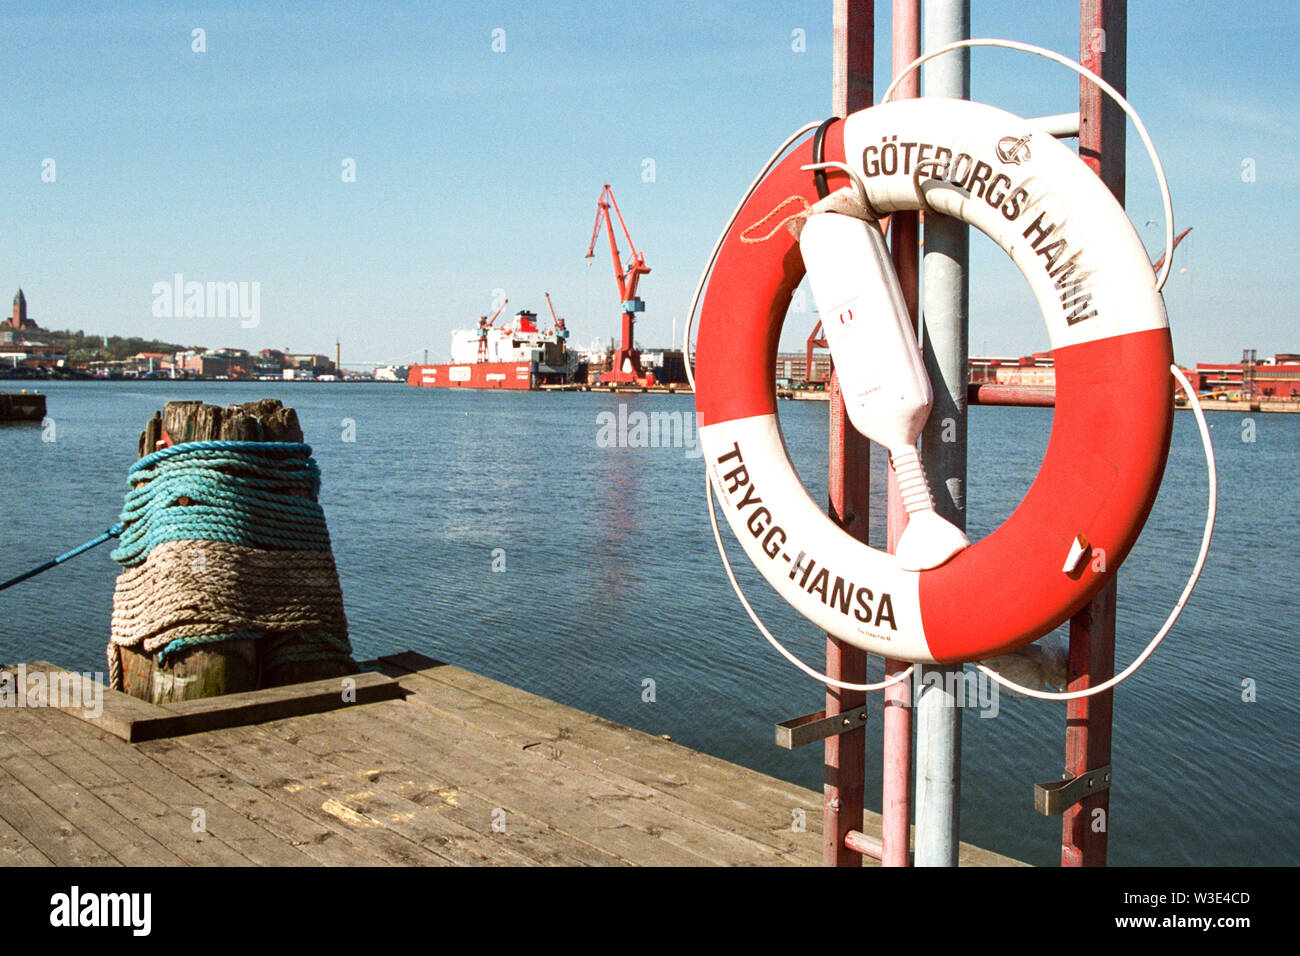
<point>849,481</point>
<point>896,774</point>
<point>1103,38</point>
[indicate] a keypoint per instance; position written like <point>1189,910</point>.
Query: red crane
<point>627,360</point>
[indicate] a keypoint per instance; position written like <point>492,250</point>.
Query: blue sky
<point>479,170</point>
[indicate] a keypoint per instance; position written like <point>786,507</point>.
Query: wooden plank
<point>362,740</point>
<point>137,720</point>
<point>315,798</point>
<point>158,801</point>
<point>729,790</point>
<point>17,850</point>
<point>769,823</point>
<point>513,782</point>
<point>57,838</point>
<point>603,814</point>
<point>277,703</point>
<point>77,804</point>
<point>120,712</point>
<point>268,810</point>
<point>413,781</point>
<point>675,762</point>
<point>673,765</point>
<point>260,818</point>
<point>369,787</point>
<point>357,741</point>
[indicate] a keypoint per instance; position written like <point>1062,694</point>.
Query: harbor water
<point>559,542</point>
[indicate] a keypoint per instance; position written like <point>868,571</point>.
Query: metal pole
<point>943,449</point>
<point>849,477</point>
<point>904,228</point>
<point>1103,39</point>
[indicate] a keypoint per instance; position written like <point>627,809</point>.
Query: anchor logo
<point>1014,150</point>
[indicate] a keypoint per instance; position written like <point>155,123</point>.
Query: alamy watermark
<point>960,687</point>
<point>67,691</point>
<point>638,429</point>
<point>75,908</point>
<point>179,299</point>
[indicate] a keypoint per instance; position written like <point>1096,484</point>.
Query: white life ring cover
<point>1094,284</point>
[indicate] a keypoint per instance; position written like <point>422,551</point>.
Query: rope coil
<point>225,541</point>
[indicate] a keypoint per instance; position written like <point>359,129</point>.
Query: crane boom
<point>497,313</point>
<point>557,323</point>
<point>627,361</point>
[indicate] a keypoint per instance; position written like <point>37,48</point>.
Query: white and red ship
<point>518,355</point>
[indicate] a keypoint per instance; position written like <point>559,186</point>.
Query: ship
<point>517,356</point>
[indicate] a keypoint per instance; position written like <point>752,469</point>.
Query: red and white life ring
<point>1114,411</point>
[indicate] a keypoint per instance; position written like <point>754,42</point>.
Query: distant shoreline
<point>1259,406</point>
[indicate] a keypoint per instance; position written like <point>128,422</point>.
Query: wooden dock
<point>438,766</point>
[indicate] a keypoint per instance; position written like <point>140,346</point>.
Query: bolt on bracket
<point>1053,799</point>
<point>813,727</point>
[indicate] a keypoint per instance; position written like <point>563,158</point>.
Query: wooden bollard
<point>230,666</point>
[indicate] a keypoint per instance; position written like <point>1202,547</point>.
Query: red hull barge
<point>517,376</point>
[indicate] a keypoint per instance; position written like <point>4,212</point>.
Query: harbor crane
<point>627,360</point>
<point>557,323</point>
<point>484,323</point>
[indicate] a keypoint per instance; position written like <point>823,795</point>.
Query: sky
<point>481,135</point>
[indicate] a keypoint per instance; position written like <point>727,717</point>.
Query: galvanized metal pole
<point>1103,42</point>
<point>945,294</point>
<point>904,231</point>
<point>849,478</point>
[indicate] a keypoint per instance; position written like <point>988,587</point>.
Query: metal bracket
<point>1053,799</point>
<point>813,727</point>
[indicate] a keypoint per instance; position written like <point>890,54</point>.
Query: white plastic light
<point>886,390</point>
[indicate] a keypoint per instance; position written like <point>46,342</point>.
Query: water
<point>612,579</point>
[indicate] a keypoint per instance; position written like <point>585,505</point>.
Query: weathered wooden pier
<point>421,763</point>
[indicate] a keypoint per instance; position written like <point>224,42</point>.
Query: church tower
<point>20,321</point>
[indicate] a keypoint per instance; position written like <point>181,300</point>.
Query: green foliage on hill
<point>81,347</point>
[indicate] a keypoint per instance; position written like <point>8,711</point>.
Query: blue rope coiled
<point>238,492</point>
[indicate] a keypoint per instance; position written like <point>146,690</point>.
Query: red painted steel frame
<point>1103,41</point>
<point>849,481</point>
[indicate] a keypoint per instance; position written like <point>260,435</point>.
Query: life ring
<point>1110,341</point>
